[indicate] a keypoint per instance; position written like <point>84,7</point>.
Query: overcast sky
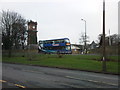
<point>62,18</point>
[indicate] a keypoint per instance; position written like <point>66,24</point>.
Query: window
<point>61,41</point>
<point>67,41</point>
<point>41,45</point>
<point>67,47</point>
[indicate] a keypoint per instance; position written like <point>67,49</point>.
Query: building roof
<point>76,46</point>
<point>32,22</point>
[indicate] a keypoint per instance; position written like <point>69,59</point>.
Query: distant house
<point>93,45</point>
<point>76,49</point>
<point>79,49</point>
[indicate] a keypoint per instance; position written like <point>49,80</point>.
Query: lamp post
<point>85,37</point>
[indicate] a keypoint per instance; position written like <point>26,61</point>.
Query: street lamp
<point>85,37</point>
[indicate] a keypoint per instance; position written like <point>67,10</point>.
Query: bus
<point>61,46</point>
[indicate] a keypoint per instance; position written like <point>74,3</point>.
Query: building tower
<point>32,32</point>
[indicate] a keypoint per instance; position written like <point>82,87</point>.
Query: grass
<point>81,62</point>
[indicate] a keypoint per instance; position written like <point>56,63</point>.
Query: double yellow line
<point>2,81</point>
<point>18,85</point>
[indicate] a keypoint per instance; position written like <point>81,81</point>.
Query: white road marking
<point>80,78</point>
<point>91,80</point>
<point>32,71</point>
<point>101,76</point>
<point>74,86</point>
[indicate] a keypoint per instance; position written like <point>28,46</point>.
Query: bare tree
<point>100,39</point>
<point>115,39</point>
<point>83,40</point>
<point>13,29</point>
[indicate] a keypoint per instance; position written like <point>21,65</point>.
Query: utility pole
<point>103,43</point>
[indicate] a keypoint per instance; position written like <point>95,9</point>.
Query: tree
<point>13,29</point>
<point>83,40</point>
<point>100,39</point>
<point>115,39</point>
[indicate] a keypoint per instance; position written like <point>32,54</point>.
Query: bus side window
<point>63,47</point>
<point>67,47</point>
<point>51,42</point>
<point>62,41</point>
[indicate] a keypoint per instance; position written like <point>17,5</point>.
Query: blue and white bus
<point>61,46</point>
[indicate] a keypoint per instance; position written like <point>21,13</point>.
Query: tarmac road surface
<point>26,76</point>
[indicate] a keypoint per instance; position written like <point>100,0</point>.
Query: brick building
<point>32,32</point>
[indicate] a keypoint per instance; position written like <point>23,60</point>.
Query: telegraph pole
<point>103,43</point>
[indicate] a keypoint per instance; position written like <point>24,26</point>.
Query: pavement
<point>26,76</point>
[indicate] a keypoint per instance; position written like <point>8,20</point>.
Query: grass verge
<point>79,62</point>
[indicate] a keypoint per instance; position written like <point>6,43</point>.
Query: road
<point>25,76</point>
